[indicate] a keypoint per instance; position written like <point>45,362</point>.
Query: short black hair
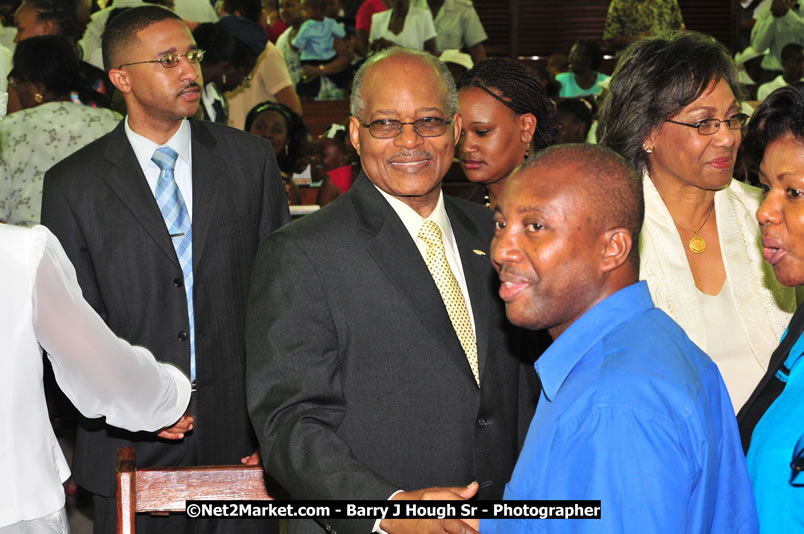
<point>781,113</point>
<point>318,5</point>
<point>62,13</point>
<point>248,9</point>
<point>654,79</point>
<point>580,108</point>
<point>219,45</point>
<point>593,51</point>
<point>791,50</point>
<point>612,191</point>
<point>47,59</point>
<point>122,28</point>
<point>520,92</point>
<point>297,132</point>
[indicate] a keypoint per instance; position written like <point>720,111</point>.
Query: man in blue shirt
<point>631,412</point>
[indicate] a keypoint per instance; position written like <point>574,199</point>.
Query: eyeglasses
<point>797,464</point>
<point>171,60</point>
<point>389,128</point>
<point>710,126</point>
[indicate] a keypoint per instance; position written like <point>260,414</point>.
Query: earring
<point>223,78</point>
<point>648,150</point>
<point>38,98</point>
<point>286,150</point>
<point>527,151</point>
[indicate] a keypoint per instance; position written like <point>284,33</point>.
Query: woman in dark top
<point>772,421</point>
<point>506,117</point>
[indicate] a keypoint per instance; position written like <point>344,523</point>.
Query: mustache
<point>411,155</point>
<point>507,271</point>
<point>193,85</point>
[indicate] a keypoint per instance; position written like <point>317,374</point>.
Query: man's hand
<point>185,424</point>
<point>251,459</point>
<point>428,526</point>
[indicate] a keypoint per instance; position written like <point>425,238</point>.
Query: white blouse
<point>418,28</point>
<point>728,347</point>
<point>41,304</point>
<point>762,306</point>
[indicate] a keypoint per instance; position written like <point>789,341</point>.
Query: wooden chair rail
<point>162,490</point>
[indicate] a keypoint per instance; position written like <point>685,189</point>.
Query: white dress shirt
<point>144,149</point>
<point>413,223</point>
<point>41,305</point>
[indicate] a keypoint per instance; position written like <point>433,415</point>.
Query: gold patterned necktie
<point>450,291</point>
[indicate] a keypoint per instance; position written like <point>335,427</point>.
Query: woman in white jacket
<point>673,111</point>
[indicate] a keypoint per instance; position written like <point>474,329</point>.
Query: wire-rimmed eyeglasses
<point>389,128</point>
<point>710,126</point>
<point>171,60</point>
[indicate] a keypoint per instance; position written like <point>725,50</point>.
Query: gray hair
<point>357,104</point>
<point>655,78</point>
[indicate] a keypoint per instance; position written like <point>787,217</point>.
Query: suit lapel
<point>395,253</point>
<point>208,171</point>
<point>476,271</point>
<point>126,179</point>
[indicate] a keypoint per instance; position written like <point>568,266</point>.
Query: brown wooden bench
<point>161,490</point>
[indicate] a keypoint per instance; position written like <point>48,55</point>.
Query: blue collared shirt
<point>634,414</point>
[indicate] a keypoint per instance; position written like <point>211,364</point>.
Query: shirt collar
<point>413,221</point>
<point>144,148</point>
<point>558,361</point>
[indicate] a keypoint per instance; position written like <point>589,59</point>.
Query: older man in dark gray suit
<point>162,218</point>
<point>378,357</point>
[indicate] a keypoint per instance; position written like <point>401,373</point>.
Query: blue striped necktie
<point>177,220</point>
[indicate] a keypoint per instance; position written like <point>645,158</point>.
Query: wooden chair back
<point>161,490</point>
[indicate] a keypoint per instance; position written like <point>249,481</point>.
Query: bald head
<point>357,102</point>
<point>609,186</point>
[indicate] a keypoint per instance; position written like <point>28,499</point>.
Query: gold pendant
<point>697,244</point>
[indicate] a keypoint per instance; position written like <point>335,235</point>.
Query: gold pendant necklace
<point>697,244</point>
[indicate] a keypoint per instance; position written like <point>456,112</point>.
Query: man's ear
<point>354,133</point>
<point>617,248</point>
<point>457,125</point>
<point>50,28</point>
<point>119,79</point>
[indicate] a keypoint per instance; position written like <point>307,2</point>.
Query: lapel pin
<point>479,252</point>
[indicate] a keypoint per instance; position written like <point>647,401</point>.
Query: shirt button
<point>183,336</point>
<point>178,282</point>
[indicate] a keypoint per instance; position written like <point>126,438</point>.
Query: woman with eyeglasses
<point>774,148</point>
<point>673,111</point>
<point>506,116</point>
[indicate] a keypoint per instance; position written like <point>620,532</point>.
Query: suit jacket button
<point>481,422</point>
<point>178,282</point>
<point>183,336</point>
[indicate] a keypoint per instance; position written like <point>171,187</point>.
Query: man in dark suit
<point>162,218</point>
<point>381,372</point>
